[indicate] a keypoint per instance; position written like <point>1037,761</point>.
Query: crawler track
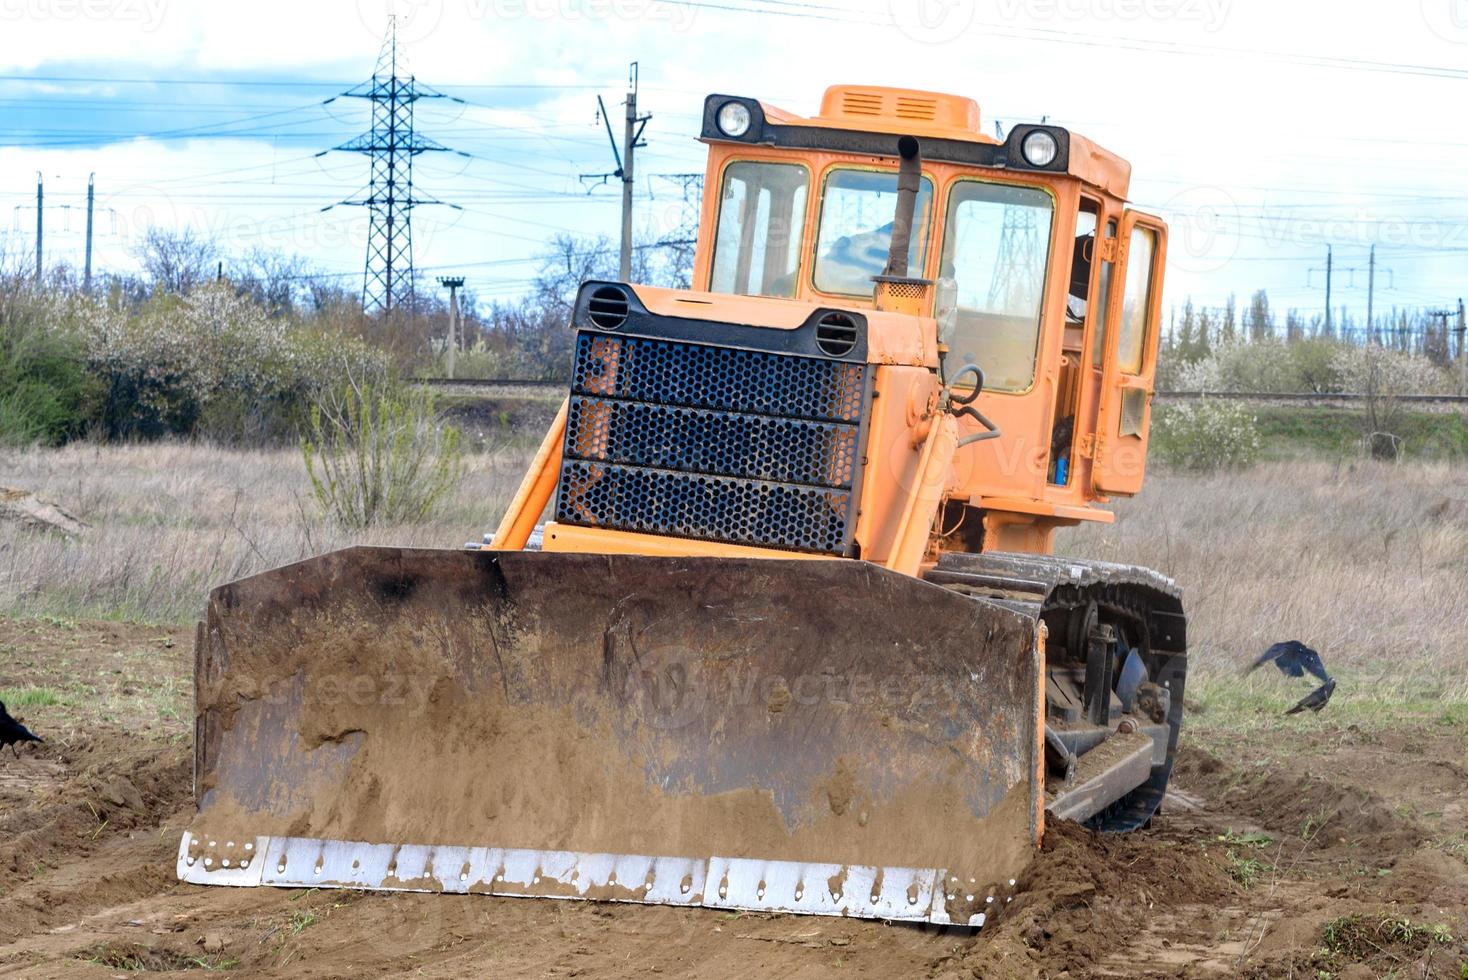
<point>1073,596</point>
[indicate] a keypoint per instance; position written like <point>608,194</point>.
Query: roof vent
<point>861,103</point>
<point>836,334</point>
<point>915,108</point>
<point>898,109</point>
<point>608,307</point>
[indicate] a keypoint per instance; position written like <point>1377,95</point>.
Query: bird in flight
<point>13,732</point>
<point>1295,659</point>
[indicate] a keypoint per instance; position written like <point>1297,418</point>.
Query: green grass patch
<point>33,697</point>
<point>1246,870</point>
<point>1227,704</point>
<point>1359,937</point>
<point>1233,839</point>
<point>1291,431</point>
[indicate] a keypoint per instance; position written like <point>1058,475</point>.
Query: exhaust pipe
<point>909,177</point>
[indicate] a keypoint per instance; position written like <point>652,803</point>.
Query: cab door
<point>1129,365</point>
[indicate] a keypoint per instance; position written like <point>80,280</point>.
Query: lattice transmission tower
<point>679,242</point>
<point>392,143</point>
<point>1017,270</point>
<point>1017,273</point>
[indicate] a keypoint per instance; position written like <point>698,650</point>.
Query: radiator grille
<point>716,443</point>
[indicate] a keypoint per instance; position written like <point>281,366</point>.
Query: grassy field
<point>1367,562</point>
<point>171,520</point>
<point>1290,432</point>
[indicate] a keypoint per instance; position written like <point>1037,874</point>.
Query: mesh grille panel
<point>689,505</point>
<point>715,443</point>
<point>721,378</point>
<point>722,443</point>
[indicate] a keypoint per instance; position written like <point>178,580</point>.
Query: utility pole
<point>452,284</point>
<point>1462,350</point>
<point>631,140</point>
<point>1328,261</point>
<point>87,275</point>
<point>1440,318</point>
<point>1371,295</point>
<point>1329,271</point>
<point>40,227</point>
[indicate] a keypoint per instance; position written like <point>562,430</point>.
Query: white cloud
<point>1216,131</point>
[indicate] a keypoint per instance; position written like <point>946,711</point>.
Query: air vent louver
<point>836,334</point>
<point>608,307</point>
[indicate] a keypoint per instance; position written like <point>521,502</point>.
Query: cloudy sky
<point>1261,130</point>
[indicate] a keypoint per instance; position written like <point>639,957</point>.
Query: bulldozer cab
<point>1039,273</point>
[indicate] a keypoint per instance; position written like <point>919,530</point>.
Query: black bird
<point>13,732</point>
<point>1315,700</point>
<point>1296,660</point>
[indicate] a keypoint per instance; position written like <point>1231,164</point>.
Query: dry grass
<point>169,521</point>
<point>1366,562</point>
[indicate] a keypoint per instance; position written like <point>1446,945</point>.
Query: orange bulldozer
<point>793,637</point>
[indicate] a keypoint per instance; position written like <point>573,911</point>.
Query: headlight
<point>733,119</point>
<point>1039,148</point>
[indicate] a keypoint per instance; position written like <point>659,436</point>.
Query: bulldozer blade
<point>806,736</point>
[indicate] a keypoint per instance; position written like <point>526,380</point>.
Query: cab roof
<point>859,118</point>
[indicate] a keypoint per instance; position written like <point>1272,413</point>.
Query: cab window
<point>996,249</point>
<point>1136,304</point>
<point>855,236</point>
<point>761,221</point>
<point>1103,302</point>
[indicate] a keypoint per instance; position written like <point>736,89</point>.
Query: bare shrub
<point>1383,376</point>
<point>378,452</point>
<point>177,261</point>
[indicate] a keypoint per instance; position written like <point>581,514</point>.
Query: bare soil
<point>1328,853</point>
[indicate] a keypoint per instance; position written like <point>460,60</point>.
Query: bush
<point>1267,365</point>
<point>212,363</point>
<point>45,394</point>
<point>1206,435</point>
<point>377,452</point>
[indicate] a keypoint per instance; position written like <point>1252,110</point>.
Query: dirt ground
<point>1321,852</point>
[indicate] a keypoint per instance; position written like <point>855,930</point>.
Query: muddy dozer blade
<point>805,736</point>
